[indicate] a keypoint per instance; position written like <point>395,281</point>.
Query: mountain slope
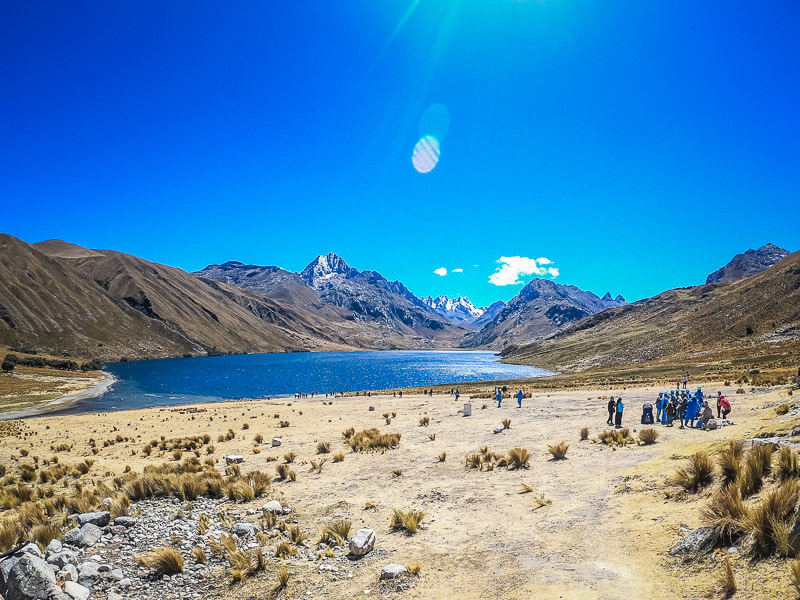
<point>456,310</point>
<point>749,263</point>
<point>542,308</point>
<point>753,312</point>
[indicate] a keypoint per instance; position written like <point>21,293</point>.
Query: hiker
<point>457,394</point>
<point>519,399</point>
<point>612,408</point>
<point>499,398</point>
<point>682,411</point>
<point>699,394</point>
<point>618,415</point>
<point>706,415</point>
<point>659,406</point>
<point>726,407</point>
<point>692,408</point>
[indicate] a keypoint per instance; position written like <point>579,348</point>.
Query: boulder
<point>276,441</point>
<point>362,542</point>
<point>62,559</point>
<point>234,459</point>
<point>76,591</point>
<point>100,518</point>
<point>33,549</point>
<point>711,424</point>
<point>125,521</point>
<point>88,573</point>
<point>273,506</point>
<point>88,535</point>
<point>30,578</point>
<point>244,529</point>
<point>54,547</point>
<point>701,538</point>
<point>393,571</point>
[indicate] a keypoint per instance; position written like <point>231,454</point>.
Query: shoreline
<point>61,402</point>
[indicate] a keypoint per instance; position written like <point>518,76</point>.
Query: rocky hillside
<point>752,313</point>
<point>749,263</point>
<point>542,307</point>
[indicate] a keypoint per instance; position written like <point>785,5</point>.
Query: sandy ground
<point>605,535</point>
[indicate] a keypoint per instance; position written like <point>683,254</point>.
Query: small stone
<point>393,571</point>
<point>54,547</point>
<point>114,596</point>
<point>273,506</point>
<point>68,573</point>
<point>76,591</point>
<point>125,583</point>
<point>276,441</point>
<point>244,529</point>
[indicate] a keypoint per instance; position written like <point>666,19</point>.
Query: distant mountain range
<point>65,299</point>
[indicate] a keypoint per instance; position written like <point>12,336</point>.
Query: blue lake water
<point>187,380</point>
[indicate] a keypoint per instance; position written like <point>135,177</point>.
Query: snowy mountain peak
<point>325,267</point>
<point>455,309</point>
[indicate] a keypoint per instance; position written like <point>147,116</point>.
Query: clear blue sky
<point>637,145</point>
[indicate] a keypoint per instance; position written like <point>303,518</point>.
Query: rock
<point>68,573</point>
<point>276,442</point>
<point>273,506</point>
<point>244,529</point>
<point>393,571</point>
<point>88,535</point>
<point>234,459</point>
<point>114,596</point>
<point>498,430</point>
<point>32,549</point>
<point>29,578</point>
<point>700,539</point>
<point>372,409</point>
<point>62,559</point>
<point>124,583</point>
<point>711,424</point>
<point>125,521</point>
<point>107,502</point>
<point>76,591</point>
<point>88,573</point>
<point>362,542</point>
<point>116,574</point>
<point>99,518</point>
<point>468,410</point>
<point>54,547</point>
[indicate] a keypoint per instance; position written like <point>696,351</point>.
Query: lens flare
<point>426,154</point>
<point>435,121</point>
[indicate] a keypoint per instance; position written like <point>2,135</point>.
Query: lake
<point>164,382</point>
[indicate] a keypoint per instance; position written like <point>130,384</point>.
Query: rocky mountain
<point>542,308</point>
<point>489,313</point>
<point>457,310</point>
<point>748,316</point>
<point>749,263</point>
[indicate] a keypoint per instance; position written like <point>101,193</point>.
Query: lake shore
<point>98,389</point>
<point>481,536</point>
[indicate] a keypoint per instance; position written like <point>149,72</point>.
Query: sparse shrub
<point>696,474</point>
<point>258,438</point>
<point>648,436</point>
<point>559,451</point>
<point>584,434</point>
<point>336,533</point>
<point>518,458</point>
<point>408,521</point>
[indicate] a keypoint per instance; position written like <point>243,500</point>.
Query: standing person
<point>682,411</point>
<point>612,408</point>
<point>719,406</point>
<point>499,398</point>
<point>457,394</point>
<point>519,399</point>
<point>669,414</point>
<point>686,381</point>
<point>659,406</point>
<point>692,407</point>
<point>618,416</point>
<point>726,407</point>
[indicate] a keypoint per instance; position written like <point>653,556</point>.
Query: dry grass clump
<point>787,464</point>
<point>336,533</point>
<point>584,434</point>
<point>10,535</point>
<point>698,473</point>
<point>289,457</point>
<point>297,535</point>
<point>284,549</point>
<point>258,438</point>
<point>729,461</point>
<point>648,436</point>
<point>727,579</point>
<point>442,457</point>
<point>164,561</point>
<point>396,473</point>
<point>559,451</point>
<point>473,461</point>
<point>794,575</point>
<point>762,521</point>
<point>525,488</point>
<point>782,409</point>
<point>424,421</point>
<point>506,423</point>
<point>518,458</point>
<point>414,568</point>
<point>338,457</point>
<point>323,447</point>
<point>283,578</point>
<point>432,437</point>
<point>348,433</point>
<point>408,521</point>
<point>199,555</point>
<point>756,466</point>
<point>616,437</point>
<point>372,440</point>
<point>725,512</point>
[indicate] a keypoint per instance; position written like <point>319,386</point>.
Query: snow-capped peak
<point>459,308</point>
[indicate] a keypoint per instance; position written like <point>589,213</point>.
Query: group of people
<point>498,395</point>
<point>691,409</point>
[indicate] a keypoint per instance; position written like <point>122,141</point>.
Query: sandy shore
<point>604,534</point>
<point>62,402</point>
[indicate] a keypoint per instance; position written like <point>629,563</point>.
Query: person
<point>499,398</point>
<point>682,411</point>
<point>659,406</point>
<point>519,399</point>
<point>726,407</point>
<point>699,394</point>
<point>612,408</point>
<point>706,415</point>
<point>686,381</point>
<point>719,406</point>
<point>457,394</point>
<point>692,407</point>
<point>618,415</point>
<point>669,414</point>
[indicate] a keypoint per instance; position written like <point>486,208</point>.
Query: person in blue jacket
<point>699,394</point>
<point>692,407</point>
<point>618,414</point>
<point>659,406</point>
<point>499,397</point>
<point>519,399</point>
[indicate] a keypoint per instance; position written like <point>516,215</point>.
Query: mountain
<point>542,308</point>
<point>750,263</point>
<point>459,310</point>
<point>750,315</point>
<point>489,313</point>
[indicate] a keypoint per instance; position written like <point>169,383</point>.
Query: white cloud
<point>458,270</point>
<point>513,267</point>
<point>441,271</point>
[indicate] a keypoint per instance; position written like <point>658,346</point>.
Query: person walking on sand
<point>457,394</point>
<point>519,399</point>
<point>499,397</point>
<point>612,408</point>
<point>618,415</point>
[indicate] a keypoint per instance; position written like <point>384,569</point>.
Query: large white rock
<point>234,459</point>
<point>76,591</point>
<point>393,571</point>
<point>273,506</point>
<point>362,542</point>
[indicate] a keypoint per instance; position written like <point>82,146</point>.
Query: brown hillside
<point>752,313</point>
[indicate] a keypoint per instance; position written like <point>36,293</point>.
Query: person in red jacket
<point>726,407</point>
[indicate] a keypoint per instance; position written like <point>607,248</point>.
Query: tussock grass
<point>289,457</point>
<point>408,521</point>
<point>396,473</point>
<point>648,436</point>
<point>10,535</point>
<point>316,467</point>
<point>424,421</point>
<point>338,457</point>
<point>297,535</point>
<point>756,465</point>
<point>283,577</point>
<point>525,488</point>
<point>729,461</point>
<point>442,457</point>
<point>323,447</point>
<point>372,440</point>
<point>506,423</point>
<point>348,433</point>
<point>584,434</point>
<point>414,568</point>
<point>432,437</point>
<point>473,461</point>
<point>559,451</point>
<point>336,533</point>
<point>698,472</point>
<point>794,575</point>
<point>284,550</point>
<point>725,512</point>
<point>787,464</point>
<point>727,579</point>
<point>518,458</point>
<point>199,555</point>
<point>782,409</point>
<point>776,506</point>
<point>164,561</point>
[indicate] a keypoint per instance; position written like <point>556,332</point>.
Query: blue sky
<point>637,146</point>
